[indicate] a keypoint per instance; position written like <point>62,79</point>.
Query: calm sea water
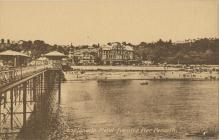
<point>128,110</point>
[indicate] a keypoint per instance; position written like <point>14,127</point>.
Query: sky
<point>101,21</point>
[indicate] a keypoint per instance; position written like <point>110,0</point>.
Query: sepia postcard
<point>109,69</point>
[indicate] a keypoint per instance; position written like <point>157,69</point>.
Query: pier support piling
<point>11,108</point>
<point>59,87</point>
<point>24,104</point>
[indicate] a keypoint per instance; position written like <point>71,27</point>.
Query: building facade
<point>83,56</point>
<point>116,54</point>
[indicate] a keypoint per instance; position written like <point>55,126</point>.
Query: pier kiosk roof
<point>55,55</point>
<point>18,58</point>
<point>12,53</point>
<point>55,58</point>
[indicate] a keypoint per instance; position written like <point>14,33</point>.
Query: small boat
<point>205,133</point>
<point>144,83</point>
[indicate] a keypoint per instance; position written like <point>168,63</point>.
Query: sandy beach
<point>152,75</point>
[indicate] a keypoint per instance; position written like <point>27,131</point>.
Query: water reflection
<point>88,108</point>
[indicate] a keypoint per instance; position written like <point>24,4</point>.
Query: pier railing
<point>9,76</point>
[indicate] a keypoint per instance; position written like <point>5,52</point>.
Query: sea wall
<point>125,68</point>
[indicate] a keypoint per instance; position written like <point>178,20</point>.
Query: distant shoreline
<point>124,68</point>
<point>77,75</point>
<point>139,68</point>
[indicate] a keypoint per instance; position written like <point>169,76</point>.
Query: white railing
<point>8,76</point>
<point>12,75</point>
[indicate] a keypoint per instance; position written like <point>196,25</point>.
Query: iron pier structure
<point>23,93</point>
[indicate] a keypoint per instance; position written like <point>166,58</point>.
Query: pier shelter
<point>55,55</point>
<point>55,58</point>
<point>13,59</point>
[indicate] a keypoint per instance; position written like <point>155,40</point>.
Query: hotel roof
<point>109,47</point>
<point>129,48</point>
<point>106,47</point>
